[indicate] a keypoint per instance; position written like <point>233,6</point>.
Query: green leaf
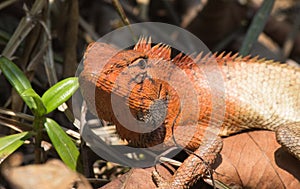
<point>59,93</point>
<point>63,144</point>
<point>11,143</point>
<point>34,102</point>
<point>22,85</point>
<point>14,75</point>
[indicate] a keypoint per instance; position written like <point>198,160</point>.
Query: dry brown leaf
<point>256,160</point>
<point>249,160</point>
<point>134,179</point>
<point>53,174</point>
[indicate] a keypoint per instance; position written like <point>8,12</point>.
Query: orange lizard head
<point>130,88</point>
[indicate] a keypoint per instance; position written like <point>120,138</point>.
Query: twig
<point>48,57</point>
<point>70,42</point>
<point>121,12</point>
<point>26,24</point>
<point>6,3</point>
<point>88,29</point>
<point>192,12</point>
<point>14,124</point>
<point>123,16</point>
<point>143,6</point>
<point>16,114</point>
<point>172,12</point>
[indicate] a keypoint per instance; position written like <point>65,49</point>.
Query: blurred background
<point>47,38</point>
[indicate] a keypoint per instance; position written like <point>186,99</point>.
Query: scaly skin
<point>253,93</point>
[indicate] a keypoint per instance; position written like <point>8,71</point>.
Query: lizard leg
<point>289,137</point>
<point>194,167</point>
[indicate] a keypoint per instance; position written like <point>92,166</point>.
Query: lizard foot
<point>289,137</point>
<point>193,168</point>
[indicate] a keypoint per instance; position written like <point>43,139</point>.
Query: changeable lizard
<point>257,94</point>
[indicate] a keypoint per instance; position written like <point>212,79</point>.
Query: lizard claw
<point>160,182</point>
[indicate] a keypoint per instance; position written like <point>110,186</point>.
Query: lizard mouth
<point>142,140</point>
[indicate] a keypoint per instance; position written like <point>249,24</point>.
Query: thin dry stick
<point>121,12</point>
<point>123,16</point>
<point>48,57</point>
<point>192,12</point>
<point>6,3</point>
<point>88,28</point>
<point>26,25</point>
<point>172,12</point>
<point>14,124</point>
<point>143,6</point>
<point>70,53</point>
<point>70,41</point>
<point>16,114</point>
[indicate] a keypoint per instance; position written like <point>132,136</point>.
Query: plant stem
<point>38,128</point>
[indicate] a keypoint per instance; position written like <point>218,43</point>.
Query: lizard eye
<point>141,63</point>
<point>138,70</point>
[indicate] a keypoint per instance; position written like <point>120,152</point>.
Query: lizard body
<point>257,94</point>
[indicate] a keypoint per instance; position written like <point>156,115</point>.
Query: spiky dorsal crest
<point>143,45</point>
<point>209,58</point>
<point>181,59</point>
<point>177,59</point>
<point>224,57</point>
<point>203,59</point>
<point>160,51</point>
